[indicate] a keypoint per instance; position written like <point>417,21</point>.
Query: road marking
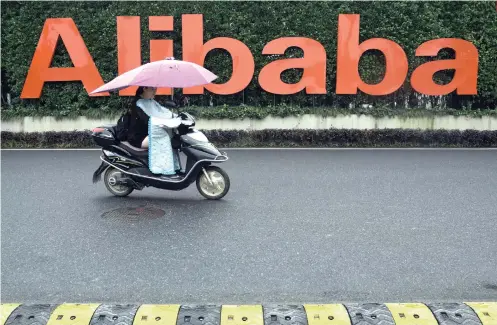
<point>6,310</point>
<point>486,311</point>
<point>242,315</point>
<point>329,314</point>
<point>411,314</point>
<point>72,314</point>
<point>157,314</point>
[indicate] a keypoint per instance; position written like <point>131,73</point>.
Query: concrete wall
<point>30,124</point>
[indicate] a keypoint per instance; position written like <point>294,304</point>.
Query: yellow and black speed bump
<point>114,315</point>
<point>454,314</point>
<point>284,315</point>
<point>486,311</point>
<point>468,313</point>
<point>199,315</point>
<point>329,314</point>
<point>72,314</point>
<point>31,315</point>
<point>372,313</point>
<point>242,315</point>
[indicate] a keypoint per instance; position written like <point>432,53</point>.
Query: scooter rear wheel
<point>220,179</point>
<point>110,177</point>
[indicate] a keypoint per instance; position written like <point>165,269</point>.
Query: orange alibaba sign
<point>313,61</point>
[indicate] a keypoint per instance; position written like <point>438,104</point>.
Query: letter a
<point>314,65</point>
<point>84,69</point>
<point>465,64</point>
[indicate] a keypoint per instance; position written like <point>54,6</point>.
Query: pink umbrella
<point>164,73</point>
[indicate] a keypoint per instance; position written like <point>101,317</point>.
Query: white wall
<point>30,124</point>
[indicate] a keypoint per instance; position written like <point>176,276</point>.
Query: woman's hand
<point>170,123</point>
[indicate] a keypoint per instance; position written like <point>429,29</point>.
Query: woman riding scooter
<point>138,134</point>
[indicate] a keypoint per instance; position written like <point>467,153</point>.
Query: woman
<point>142,108</point>
<point>138,129</point>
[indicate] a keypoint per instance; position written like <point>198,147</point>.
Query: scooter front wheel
<point>220,183</point>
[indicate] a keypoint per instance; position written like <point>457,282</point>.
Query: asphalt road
<point>297,227</point>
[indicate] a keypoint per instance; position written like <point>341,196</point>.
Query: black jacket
<point>138,127</point>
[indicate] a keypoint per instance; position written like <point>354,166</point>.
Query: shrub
<point>283,138</point>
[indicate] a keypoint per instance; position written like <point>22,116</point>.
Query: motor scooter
<point>125,167</point>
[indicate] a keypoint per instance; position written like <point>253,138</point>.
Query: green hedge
<point>409,23</point>
<point>242,112</point>
<point>283,138</point>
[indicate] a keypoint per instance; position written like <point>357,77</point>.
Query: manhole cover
<point>134,213</point>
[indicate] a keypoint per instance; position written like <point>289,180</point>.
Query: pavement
<point>315,226</point>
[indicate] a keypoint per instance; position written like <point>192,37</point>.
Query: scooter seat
<point>140,152</point>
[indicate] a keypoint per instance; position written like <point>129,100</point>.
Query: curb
<point>302,120</point>
<point>468,313</point>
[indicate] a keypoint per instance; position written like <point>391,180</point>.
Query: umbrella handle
<point>172,97</point>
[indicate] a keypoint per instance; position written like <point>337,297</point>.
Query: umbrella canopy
<point>168,73</point>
